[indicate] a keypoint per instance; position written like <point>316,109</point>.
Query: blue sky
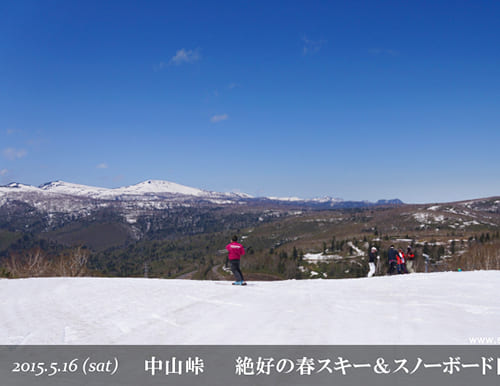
<point>350,99</point>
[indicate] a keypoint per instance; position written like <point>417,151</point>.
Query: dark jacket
<point>392,254</point>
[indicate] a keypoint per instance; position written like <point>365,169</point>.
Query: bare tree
<point>33,263</point>
<point>74,264</point>
<point>479,256</point>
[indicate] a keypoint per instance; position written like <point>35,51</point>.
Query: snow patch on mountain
<point>70,189</point>
<point>320,257</point>
<point>158,187</point>
<point>427,218</point>
<point>290,199</point>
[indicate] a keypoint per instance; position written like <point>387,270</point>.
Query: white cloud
<point>12,154</point>
<point>3,172</point>
<point>184,56</point>
<point>233,85</point>
<point>102,166</point>
<point>219,118</point>
<point>160,66</point>
<point>311,47</point>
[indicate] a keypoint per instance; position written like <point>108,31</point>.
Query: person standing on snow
<point>392,258</point>
<point>235,251</point>
<point>373,259</point>
<point>411,258</point>
<point>401,259</point>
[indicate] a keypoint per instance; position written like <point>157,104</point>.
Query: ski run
<point>437,308</point>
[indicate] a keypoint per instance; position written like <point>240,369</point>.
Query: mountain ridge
<point>153,187</point>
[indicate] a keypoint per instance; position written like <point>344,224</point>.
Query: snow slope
<point>438,308</point>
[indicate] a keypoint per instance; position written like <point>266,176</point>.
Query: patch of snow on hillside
<point>421,217</point>
<point>289,199</point>
<point>470,223</point>
<point>318,257</point>
<point>358,251</point>
<point>427,218</point>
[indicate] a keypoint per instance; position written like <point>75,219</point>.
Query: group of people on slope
<point>399,262</point>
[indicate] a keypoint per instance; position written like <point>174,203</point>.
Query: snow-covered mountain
<point>404,309</point>
<point>149,206</point>
<point>154,190</point>
<point>60,196</point>
<point>147,188</point>
<point>65,197</point>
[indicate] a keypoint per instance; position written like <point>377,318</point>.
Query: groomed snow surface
<point>437,308</point>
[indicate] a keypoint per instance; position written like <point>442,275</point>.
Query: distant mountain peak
<point>160,186</point>
<point>394,201</point>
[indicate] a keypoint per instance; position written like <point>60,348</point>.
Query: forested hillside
<point>281,243</point>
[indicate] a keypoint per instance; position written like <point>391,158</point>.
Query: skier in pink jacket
<point>235,251</point>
